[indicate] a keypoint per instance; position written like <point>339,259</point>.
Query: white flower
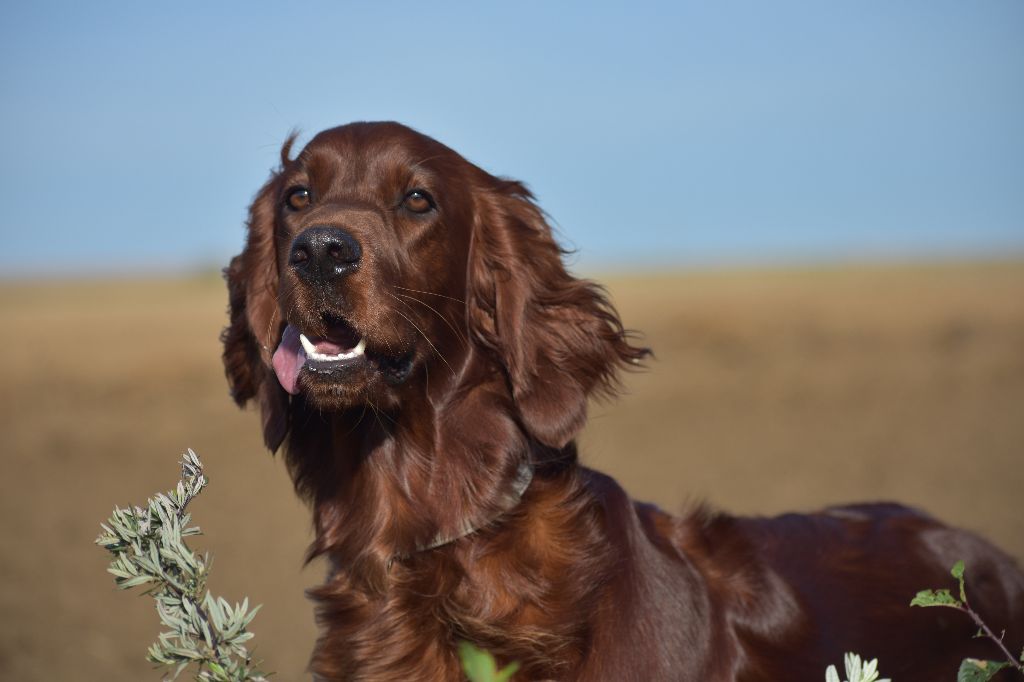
<point>856,670</point>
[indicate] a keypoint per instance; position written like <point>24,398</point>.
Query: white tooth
<point>308,345</point>
<point>311,353</point>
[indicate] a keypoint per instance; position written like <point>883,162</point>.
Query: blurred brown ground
<point>771,391</point>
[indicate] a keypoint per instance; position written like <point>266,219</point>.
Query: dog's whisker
<point>359,421</point>
<point>378,413</point>
<point>427,339</point>
<point>461,337</point>
<point>431,293</point>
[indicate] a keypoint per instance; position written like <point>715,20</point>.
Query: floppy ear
<point>559,338</point>
<point>255,322</point>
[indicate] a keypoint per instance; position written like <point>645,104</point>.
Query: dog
<point>417,347</point>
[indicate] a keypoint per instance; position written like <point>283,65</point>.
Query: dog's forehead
<point>374,154</point>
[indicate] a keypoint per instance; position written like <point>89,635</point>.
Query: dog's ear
<point>558,337</point>
<point>254,329</point>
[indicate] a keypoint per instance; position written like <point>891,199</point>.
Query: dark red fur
<point>576,582</point>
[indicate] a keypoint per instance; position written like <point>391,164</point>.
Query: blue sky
<point>133,135</point>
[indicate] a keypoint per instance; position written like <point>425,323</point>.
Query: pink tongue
<point>288,360</point>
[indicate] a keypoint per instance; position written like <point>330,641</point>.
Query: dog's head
<point>381,268</point>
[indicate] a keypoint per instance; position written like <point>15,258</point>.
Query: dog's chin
<point>367,380</point>
<point>337,385</point>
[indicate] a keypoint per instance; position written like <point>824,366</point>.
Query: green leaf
<point>507,673</point>
<point>252,614</point>
<point>137,580</point>
<point>242,638</point>
<point>958,573</point>
<point>206,633</point>
<point>934,598</point>
<point>975,670</point>
<point>478,665</point>
<point>179,669</point>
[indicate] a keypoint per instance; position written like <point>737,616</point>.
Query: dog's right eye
<point>298,198</point>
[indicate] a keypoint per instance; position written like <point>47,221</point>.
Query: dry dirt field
<point>771,391</point>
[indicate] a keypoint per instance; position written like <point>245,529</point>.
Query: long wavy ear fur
<point>558,337</point>
<point>255,323</point>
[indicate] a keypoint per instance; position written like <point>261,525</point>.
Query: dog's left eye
<point>418,201</point>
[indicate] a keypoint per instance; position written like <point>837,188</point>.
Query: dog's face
<point>379,258</point>
<point>371,235</point>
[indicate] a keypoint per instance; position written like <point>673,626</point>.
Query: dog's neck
<point>390,484</point>
<point>512,497</point>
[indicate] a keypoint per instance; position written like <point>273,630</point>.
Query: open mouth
<point>339,348</point>
<point>331,348</point>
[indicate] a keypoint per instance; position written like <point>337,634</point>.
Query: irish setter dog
<point>406,324</point>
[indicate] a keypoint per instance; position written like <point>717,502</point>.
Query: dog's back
<point>800,590</point>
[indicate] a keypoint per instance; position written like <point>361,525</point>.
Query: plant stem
<point>197,603</point>
<point>966,608</point>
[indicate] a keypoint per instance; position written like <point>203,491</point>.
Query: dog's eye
<point>298,198</point>
<point>418,201</point>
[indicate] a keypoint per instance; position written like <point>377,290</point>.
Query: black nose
<point>322,253</point>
